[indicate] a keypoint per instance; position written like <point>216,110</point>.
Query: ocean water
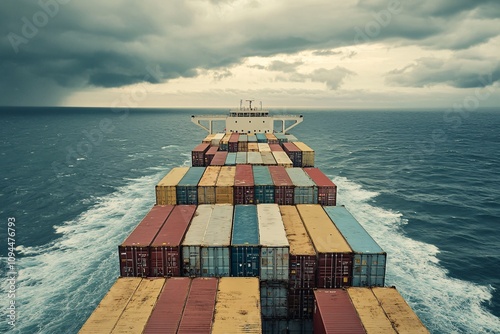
<point>423,183</point>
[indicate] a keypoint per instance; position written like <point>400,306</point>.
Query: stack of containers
<point>282,159</point>
<point>271,138</point>
<point>134,253</point>
<point>224,143</point>
<point>281,138</point>
<point>254,158</point>
<point>263,185</point>
<point>233,142</point>
<point>334,254</point>
<point>243,143</point>
<point>268,158</point>
<point>219,158</point>
<point>166,247</point>
<point>283,186</point>
<point>206,186</point>
<point>166,192</point>
<point>261,138</point>
<point>245,248</point>
<point>215,250</point>
<point>369,259</point>
<point>187,188</point>
<point>208,138</point>
<point>230,159</point>
<point>209,155</point>
<point>274,256</point>
<point>307,154</point>
<point>305,191</point>
<point>244,185</point>
<point>224,189</point>
<point>198,155</point>
<point>216,139</point>
<point>294,153</point>
<point>327,190</point>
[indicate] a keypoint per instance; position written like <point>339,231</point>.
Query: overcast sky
<point>325,53</point>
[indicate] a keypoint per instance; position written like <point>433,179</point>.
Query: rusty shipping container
<point>219,159</point>
<point>327,190</point>
<point>209,155</point>
<point>307,154</point>
<point>335,257</point>
<point>215,250</point>
<point>294,153</point>
<point>233,142</point>
<point>187,188</point>
<point>134,251</point>
<point>206,186</point>
<point>198,155</point>
<point>243,143</point>
<point>166,189</point>
<point>305,191</point>
<point>165,248</point>
<point>283,186</point>
<point>276,148</point>
<point>224,191</point>
<point>200,307</point>
<point>244,185</point>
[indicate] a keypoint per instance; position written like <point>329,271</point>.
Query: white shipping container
<point>282,159</point>
<point>217,138</point>
<point>264,147</point>
<point>191,246</point>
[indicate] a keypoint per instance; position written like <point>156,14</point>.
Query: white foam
<point>445,304</point>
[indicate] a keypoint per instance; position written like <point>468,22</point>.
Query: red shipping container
<point>168,310</point>
<point>300,303</point>
<point>165,248</point>
<point>200,307</point>
<point>334,313</point>
<point>210,155</point>
<point>283,185</point>
<point>276,147</point>
<point>233,142</point>
<point>134,251</point>
<point>244,189</point>
<point>294,153</point>
<point>334,270</point>
<point>198,155</point>
<point>327,190</point>
<point>219,158</point>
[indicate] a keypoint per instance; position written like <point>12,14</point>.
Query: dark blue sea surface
<point>425,185</point>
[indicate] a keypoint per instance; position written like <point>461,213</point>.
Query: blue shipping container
<point>306,191</point>
<point>274,300</point>
<point>263,183</point>
<point>281,138</point>
<point>187,188</point>
<point>261,138</point>
<point>369,263</point>
<point>231,159</point>
<point>245,250</point>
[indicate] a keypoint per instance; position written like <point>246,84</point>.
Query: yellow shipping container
<point>271,138</point>
<point>206,186</point>
<point>300,243</point>
<point>107,313</point>
<point>253,147</point>
<point>237,308</point>
<point>370,312</point>
<point>264,147</point>
<point>282,159</point>
<point>225,184</point>
<point>165,189</point>
<point>307,154</point>
<point>208,139</point>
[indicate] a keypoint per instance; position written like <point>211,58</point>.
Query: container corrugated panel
<point>334,313</point>
<point>264,147</point>
<point>187,188</point>
<point>224,191</point>
<point>237,308</point>
<point>245,249</point>
<point>136,314</point>
<point>253,147</point>
<point>243,185</point>
<point>166,188</point>
<point>168,310</point>
<point>300,303</point>
<point>327,190</point>
<point>224,143</point>
<point>231,159</point>
<point>261,138</point>
<point>254,158</point>
<point>241,158</point>
<point>198,155</point>
<point>191,246</point>
<point>233,142</point>
<point>217,138</point>
<point>369,264</point>
<point>243,143</point>
<point>200,307</point>
<point>268,159</point>
<point>282,159</point>
<point>291,138</point>
<point>219,158</point>
<point>107,313</point>
<point>206,186</point>
<point>335,257</point>
<point>275,249</point>
<point>215,251</point>
<point>302,254</point>
<point>307,154</point>
<point>294,153</point>
<point>305,191</point>
<point>165,248</point>
<point>264,186</point>
<point>370,312</point>
<point>252,138</point>
<point>274,300</point>
<point>134,251</point>
<point>276,148</point>
<point>209,155</point>
<point>300,326</point>
<point>271,138</point>
<point>281,137</point>
<point>208,138</point>
<point>278,326</point>
<point>283,186</point>
<point>398,311</point>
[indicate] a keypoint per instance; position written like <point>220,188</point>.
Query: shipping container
<point>300,303</point>
<point>281,137</point>
<point>245,249</point>
<point>275,326</point>
<point>168,310</point>
<point>305,191</point>
<point>291,138</point>
<point>206,186</point>
<point>370,312</point>
<point>233,142</point>
<point>224,143</point>
<point>217,138</point>
<point>200,307</point>
<point>215,251</point>
<point>224,191</point>
<point>134,251</point>
<point>261,138</point>
<point>165,248</point>
<point>241,158</point>
<point>302,254</point>
<point>219,159</point>
<point>271,138</point>
<point>268,159</point>
<point>139,308</point>
<point>263,185</point>
<point>369,262</point>
<point>398,311</point>
<point>294,153</point>
<point>166,189</point>
<point>307,154</point>
<point>238,306</point>
<point>252,138</point>
<point>334,313</point>
<point>191,246</point>
<point>327,190</point>
<point>243,185</point>
<point>274,299</point>
<point>276,148</point>
<point>264,147</point>
<point>187,188</point>
<point>300,326</point>
<point>209,155</point>
<point>198,155</point>
<point>283,186</point>
<point>334,254</point>
<point>253,147</point>
<point>230,159</point>
<point>275,248</point>
<point>254,158</point>
<point>107,313</point>
<point>208,138</point>
<point>243,143</point>
<point>282,159</point>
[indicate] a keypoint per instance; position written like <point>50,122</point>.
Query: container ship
<point>250,239</point>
